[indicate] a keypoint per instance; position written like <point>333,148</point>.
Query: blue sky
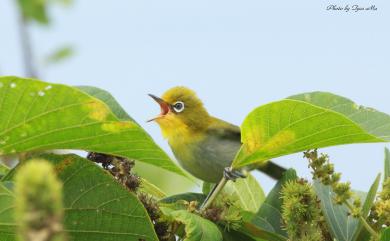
<point>237,55</point>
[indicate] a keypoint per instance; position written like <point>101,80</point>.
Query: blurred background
<point>236,55</point>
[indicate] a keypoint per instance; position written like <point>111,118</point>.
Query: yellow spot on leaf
<point>97,110</point>
<point>279,141</point>
<point>254,138</point>
<point>117,126</point>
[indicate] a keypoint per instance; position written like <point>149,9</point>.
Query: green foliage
<point>37,10</point>
<point>106,200</point>
<point>385,235</point>
<point>34,10</point>
<point>302,125</point>
<point>196,227</point>
<point>269,217</point>
<point>38,202</point>
<point>372,121</point>
<point>340,194</point>
<point>95,206</point>
<point>247,193</point>
<point>341,225</point>
<point>362,233</point>
<point>148,187</point>
<point>43,116</point>
<point>261,234</point>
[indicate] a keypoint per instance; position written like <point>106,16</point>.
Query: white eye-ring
<point>178,106</point>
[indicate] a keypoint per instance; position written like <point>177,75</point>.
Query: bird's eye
<point>178,106</point>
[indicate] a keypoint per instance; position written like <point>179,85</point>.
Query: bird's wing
<point>228,133</point>
<point>224,130</point>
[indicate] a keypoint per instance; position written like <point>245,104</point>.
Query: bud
<point>38,202</point>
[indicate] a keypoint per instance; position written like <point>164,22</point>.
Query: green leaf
<point>151,189</point>
<point>247,192</point>
<point>385,235</point>
<point>96,206</point>
<point>387,164</point>
<point>196,227</point>
<point>289,126</point>
<point>260,234</point>
<point>370,198</point>
<point>342,226</point>
<point>207,187</point>
<point>34,10</point>
<point>372,121</point>
<point>42,116</point>
<point>60,55</point>
<point>7,222</point>
<point>361,233</point>
<point>269,217</point>
<point>233,235</point>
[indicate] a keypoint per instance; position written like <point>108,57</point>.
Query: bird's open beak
<point>163,105</point>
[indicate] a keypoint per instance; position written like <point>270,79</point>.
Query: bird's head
<point>181,110</point>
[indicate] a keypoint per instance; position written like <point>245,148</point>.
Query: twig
<point>214,194</point>
<point>25,42</point>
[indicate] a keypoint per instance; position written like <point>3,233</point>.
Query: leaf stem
<point>214,194</point>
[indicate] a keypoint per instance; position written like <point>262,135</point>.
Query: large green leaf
<point>387,164</point>
<point>38,116</point>
<point>196,227</point>
<point>342,226</point>
<point>247,193</point>
<point>362,234</point>
<point>269,217</point>
<point>289,126</point>
<point>7,222</point>
<point>96,206</point>
<point>372,121</point>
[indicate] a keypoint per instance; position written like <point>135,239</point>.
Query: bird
<point>204,146</point>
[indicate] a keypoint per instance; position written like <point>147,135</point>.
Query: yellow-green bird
<point>203,145</point>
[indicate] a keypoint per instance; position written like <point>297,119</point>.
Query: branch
<point>25,42</point>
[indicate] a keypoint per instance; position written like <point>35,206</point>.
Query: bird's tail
<point>272,170</point>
